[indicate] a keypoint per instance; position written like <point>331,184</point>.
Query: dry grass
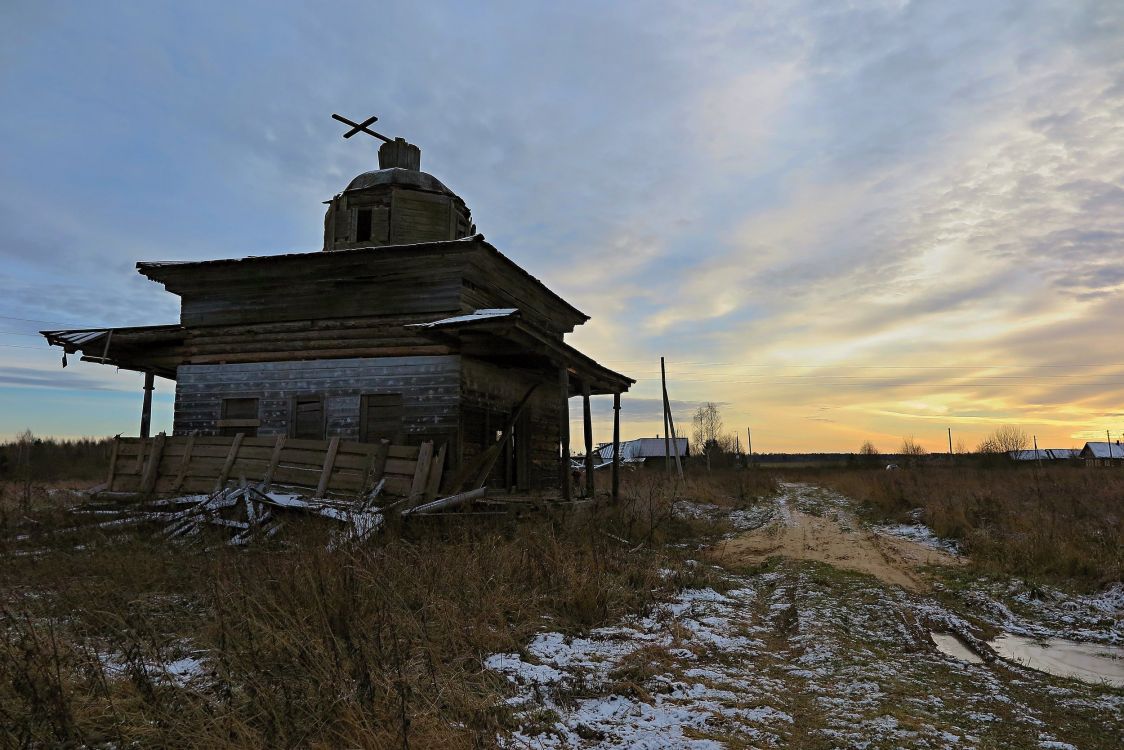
<point>379,646</point>
<point>1057,523</point>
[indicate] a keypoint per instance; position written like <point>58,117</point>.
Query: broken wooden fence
<point>191,464</point>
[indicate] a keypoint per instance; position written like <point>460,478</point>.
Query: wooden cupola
<point>397,204</point>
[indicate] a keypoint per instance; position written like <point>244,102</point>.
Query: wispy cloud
<point>893,216</point>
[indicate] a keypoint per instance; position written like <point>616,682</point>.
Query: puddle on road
<point>1088,662</point>
<point>949,644</point>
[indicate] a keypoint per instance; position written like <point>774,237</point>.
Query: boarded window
<point>239,415</point>
<point>308,418</point>
<point>363,225</point>
<point>381,418</point>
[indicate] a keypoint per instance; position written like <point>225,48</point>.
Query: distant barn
<point>643,450</point>
<point>407,326</point>
<point>1102,453</point>
<point>1044,454</point>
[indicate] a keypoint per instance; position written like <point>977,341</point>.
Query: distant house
<point>1102,453</point>
<point>1045,454</point>
<point>640,450</point>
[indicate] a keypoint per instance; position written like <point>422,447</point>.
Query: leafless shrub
<point>1005,439</point>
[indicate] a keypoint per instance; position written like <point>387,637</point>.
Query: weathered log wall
<point>429,387</point>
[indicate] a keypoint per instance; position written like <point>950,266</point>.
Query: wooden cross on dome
<point>361,127</point>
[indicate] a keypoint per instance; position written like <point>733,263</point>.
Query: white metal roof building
<point>1103,450</point>
<point>1045,454</point>
<point>641,449</point>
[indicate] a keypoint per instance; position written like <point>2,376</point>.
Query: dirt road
<point>812,525</point>
<point>813,657</point>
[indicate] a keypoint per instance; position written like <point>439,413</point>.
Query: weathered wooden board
<point>195,464</point>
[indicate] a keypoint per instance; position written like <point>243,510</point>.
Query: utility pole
<point>674,435</point>
<point>950,442</point>
<point>1036,456</point>
<point>666,430</point>
<point>749,444</point>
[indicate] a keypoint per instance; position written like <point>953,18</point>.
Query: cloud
<point>801,205</point>
<point>36,378</point>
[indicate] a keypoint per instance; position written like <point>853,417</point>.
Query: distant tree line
<point>1004,440</point>
<point>50,459</point>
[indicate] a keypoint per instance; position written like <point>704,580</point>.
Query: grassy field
<point>1059,524</point>
<point>379,646</point>
<point>113,637</point>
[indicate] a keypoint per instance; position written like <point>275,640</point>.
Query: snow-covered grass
<point>919,533</point>
<point>188,668</point>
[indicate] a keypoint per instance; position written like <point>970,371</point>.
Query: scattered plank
<point>421,472</point>
<point>436,469</point>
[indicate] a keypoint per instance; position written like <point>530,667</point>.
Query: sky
<point>838,221</point>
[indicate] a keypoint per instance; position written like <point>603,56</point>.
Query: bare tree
<point>868,449</point>
<point>707,430</point>
<point>24,443</point>
<point>1006,439</point>
<point>911,447</point>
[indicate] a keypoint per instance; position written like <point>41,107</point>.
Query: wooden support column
<point>588,440</point>
<point>564,431</point>
<point>112,464</point>
<point>616,446</point>
<point>146,407</point>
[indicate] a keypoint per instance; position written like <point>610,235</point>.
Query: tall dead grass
<point>1057,523</point>
<point>378,646</point>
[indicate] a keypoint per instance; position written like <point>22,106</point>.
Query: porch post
<point>616,446</point>
<point>146,407</point>
<point>564,430</point>
<point>588,440</point>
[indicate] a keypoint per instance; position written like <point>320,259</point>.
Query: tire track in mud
<point>835,538</point>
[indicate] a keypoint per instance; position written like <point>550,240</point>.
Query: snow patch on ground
<point>850,656</point>
<point>183,671</point>
<point>683,686</point>
<point>919,533</point>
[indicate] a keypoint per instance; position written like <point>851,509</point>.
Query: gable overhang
<point>504,336</point>
<point>155,349</point>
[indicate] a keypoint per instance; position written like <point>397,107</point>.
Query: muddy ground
<point>820,637</point>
